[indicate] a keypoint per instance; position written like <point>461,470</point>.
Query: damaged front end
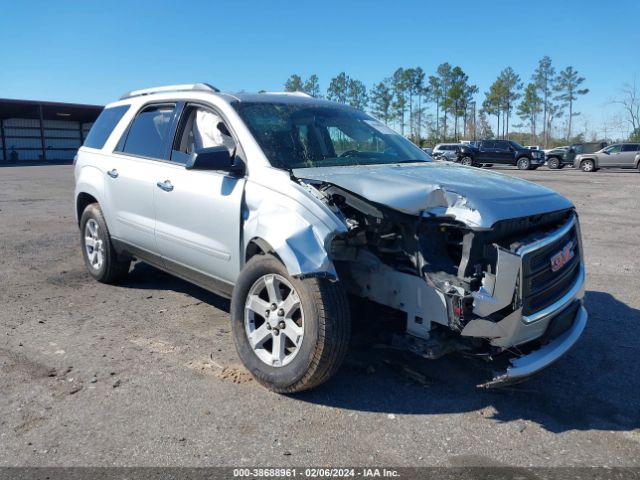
<point>511,291</point>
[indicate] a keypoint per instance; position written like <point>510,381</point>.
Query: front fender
<point>284,220</point>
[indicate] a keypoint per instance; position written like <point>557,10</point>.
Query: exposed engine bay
<point>460,287</point>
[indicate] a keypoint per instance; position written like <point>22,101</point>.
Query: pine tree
<point>338,88</point>
<point>529,108</point>
<point>544,79</point>
<point>568,85</point>
<point>312,87</point>
<point>357,94</point>
<point>293,84</point>
<point>381,101</point>
<point>511,86</point>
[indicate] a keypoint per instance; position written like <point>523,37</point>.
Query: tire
<point>523,163</point>
<point>587,166</point>
<point>101,260</point>
<point>467,161</point>
<point>319,340</point>
<point>553,163</point>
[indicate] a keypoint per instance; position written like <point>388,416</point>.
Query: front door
<point>198,212</point>
<point>610,157</point>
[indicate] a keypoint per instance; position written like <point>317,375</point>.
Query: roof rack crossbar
<point>185,87</point>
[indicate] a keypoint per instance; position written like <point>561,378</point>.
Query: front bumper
<point>530,364</point>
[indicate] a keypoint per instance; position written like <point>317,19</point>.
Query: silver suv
<point>620,155</point>
<point>290,204</point>
<point>446,151</point>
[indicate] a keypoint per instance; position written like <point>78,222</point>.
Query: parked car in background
<point>556,157</point>
<point>448,151</point>
<point>532,147</point>
<point>580,148</point>
<point>503,152</point>
<point>428,150</point>
<point>619,155</point>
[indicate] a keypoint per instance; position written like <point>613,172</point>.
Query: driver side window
<point>343,143</point>
<point>199,128</point>
<point>614,149</point>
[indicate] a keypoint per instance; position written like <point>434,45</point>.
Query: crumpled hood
<point>475,196</point>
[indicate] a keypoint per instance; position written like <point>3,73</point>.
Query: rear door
<point>627,158</point>
<point>487,152</point>
<point>503,153</point>
<point>198,214</point>
<point>131,172</point>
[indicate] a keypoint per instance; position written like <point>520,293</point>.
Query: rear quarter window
<point>104,125</point>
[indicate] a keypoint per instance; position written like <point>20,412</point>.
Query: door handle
<point>166,185</point>
<point>113,173</point>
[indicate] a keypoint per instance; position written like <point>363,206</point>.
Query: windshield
<point>305,135</point>
<point>516,144</point>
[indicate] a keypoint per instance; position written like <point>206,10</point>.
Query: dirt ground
<point>146,373</point>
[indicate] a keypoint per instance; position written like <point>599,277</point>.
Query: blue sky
<point>91,52</point>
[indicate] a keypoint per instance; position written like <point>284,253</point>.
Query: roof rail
<point>185,87</point>
<point>296,94</point>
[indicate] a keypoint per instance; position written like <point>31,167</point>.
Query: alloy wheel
<point>93,244</point>
<point>274,320</point>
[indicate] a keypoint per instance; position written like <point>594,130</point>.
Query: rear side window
<point>104,125</point>
<point>148,132</point>
<point>630,147</point>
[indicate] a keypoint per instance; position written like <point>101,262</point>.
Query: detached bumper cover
<point>527,365</point>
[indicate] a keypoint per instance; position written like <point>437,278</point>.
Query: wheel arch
<point>83,200</point>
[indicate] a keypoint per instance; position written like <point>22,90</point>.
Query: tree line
<point>403,100</point>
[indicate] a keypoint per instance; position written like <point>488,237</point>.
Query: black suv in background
<point>503,152</point>
<point>555,157</point>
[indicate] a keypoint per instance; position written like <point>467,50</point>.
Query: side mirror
<point>214,158</point>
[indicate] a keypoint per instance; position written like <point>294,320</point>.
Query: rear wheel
<point>292,334</point>
<point>102,261</point>
<point>467,161</point>
<point>553,162</point>
<point>524,163</point>
<point>587,166</point>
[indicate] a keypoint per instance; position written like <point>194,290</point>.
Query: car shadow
<point>145,277</point>
<point>594,386</point>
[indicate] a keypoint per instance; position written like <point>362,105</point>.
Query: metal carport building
<point>38,132</point>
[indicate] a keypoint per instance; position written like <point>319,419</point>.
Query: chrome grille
<point>540,285</point>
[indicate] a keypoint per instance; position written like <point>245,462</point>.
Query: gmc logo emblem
<point>563,257</point>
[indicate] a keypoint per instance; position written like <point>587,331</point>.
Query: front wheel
<point>553,163</point>
<point>292,334</point>
<point>467,161</point>
<point>587,166</point>
<point>524,163</point>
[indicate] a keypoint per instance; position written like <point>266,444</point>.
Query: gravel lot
<point>146,373</point>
